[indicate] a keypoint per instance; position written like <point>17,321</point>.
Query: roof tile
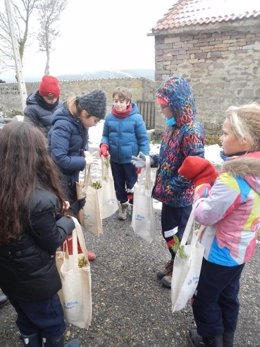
<point>192,12</point>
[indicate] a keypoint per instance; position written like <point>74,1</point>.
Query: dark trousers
<point>43,317</point>
<point>125,177</point>
<point>172,217</point>
<point>216,306</point>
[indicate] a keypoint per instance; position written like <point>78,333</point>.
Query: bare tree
<point>49,15</point>
<point>22,11</point>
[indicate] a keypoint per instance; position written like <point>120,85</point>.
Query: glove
<point>104,150</point>
<point>140,161</point>
<point>198,170</point>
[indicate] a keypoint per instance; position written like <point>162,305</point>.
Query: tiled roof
<point>192,12</point>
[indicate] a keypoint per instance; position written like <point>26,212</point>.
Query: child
<point>124,135</point>
<point>68,140</point>
<point>231,211</point>
<point>41,104</point>
<point>183,136</point>
<point>32,227</point>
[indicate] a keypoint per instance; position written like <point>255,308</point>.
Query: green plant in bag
<point>96,185</point>
<point>82,261</point>
<point>177,248</point>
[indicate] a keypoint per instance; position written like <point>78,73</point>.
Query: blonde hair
<point>245,122</point>
<point>123,93</point>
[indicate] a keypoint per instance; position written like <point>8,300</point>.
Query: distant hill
<point>107,74</point>
<point>99,74</point>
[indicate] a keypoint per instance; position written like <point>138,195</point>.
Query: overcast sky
<point>101,35</point>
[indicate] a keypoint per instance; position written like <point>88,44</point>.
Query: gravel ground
<point>130,308</point>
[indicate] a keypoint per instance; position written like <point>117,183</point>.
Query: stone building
<point>216,45</point>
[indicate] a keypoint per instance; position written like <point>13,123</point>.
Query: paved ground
<point>130,308</point>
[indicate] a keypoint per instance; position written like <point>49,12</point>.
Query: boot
<point>207,341</point>
<point>213,341</point>
<point>228,338</point>
<point>165,276</point>
<point>195,339</point>
<point>59,342</point>
<point>33,340</point>
<point>122,213</point>
<point>166,271</point>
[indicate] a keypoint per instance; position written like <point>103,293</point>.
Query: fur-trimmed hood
<point>247,167</point>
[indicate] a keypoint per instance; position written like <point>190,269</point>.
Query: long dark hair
<point>24,165</point>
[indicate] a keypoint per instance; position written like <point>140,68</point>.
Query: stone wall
<point>142,89</point>
<point>222,62</point>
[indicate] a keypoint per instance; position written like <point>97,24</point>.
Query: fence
<point>147,110</point>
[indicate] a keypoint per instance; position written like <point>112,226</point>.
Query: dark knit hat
<point>49,85</point>
<point>94,103</point>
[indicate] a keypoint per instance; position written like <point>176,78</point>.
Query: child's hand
<point>140,161</point>
<point>104,150</point>
<point>66,205</point>
<point>198,170</point>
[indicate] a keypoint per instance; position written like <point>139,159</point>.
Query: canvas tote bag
<point>90,215</point>
<point>143,212</point>
<point>187,265</point>
<point>74,269</point>
<point>108,202</point>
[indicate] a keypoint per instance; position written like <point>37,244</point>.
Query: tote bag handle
<point>189,228</point>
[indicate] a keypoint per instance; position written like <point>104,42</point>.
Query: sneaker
<point>91,256</point>
<point>167,270</point>
<point>123,209</point>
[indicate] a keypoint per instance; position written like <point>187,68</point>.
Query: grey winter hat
<point>94,103</point>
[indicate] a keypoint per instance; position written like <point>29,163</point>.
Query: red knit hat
<point>49,85</point>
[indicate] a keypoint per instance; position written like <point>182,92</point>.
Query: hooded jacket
<point>39,112</point>
<point>185,138</point>
<point>231,212</point>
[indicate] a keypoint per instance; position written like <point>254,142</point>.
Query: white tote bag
<point>187,265</point>
<point>108,201</point>
<point>74,269</point>
<point>90,215</point>
<point>143,212</point>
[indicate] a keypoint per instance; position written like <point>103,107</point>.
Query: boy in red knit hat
<point>43,103</point>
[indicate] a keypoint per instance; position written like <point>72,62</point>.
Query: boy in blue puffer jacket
<point>124,135</point>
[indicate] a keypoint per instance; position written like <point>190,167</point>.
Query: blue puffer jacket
<point>67,143</point>
<point>125,136</point>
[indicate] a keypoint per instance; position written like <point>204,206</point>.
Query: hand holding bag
<point>74,270</point>
<point>187,265</point>
<point>90,215</point>
<point>143,212</point>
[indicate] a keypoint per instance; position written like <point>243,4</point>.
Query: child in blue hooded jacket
<point>183,137</point>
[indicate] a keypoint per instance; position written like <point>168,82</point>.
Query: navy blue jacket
<point>39,113</point>
<point>67,142</point>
